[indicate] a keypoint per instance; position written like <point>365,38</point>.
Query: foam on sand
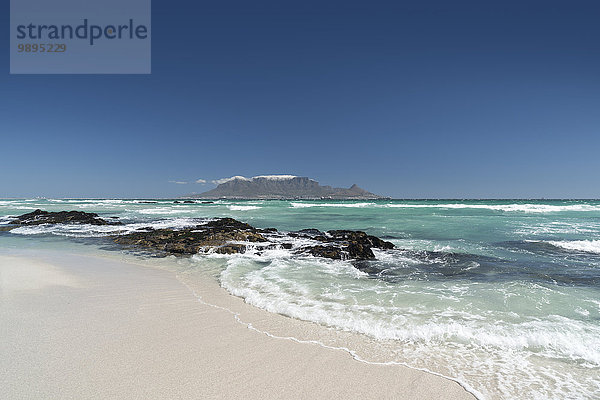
<point>498,352</point>
<point>119,336</point>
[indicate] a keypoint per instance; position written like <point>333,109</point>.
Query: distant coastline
<point>281,187</point>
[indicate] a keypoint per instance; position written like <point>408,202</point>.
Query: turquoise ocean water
<point>502,295</point>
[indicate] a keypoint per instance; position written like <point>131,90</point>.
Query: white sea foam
<point>587,227</point>
<point>99,201</point>
<point>242,208</point>
<point>19,207</point>
<point>173,223</point>
<point>165,211</point>
<point>290,298</point>
<point>526,208</point>
<point>349,205</point>
<point>70,230</point>
<point>589,246</point>
<point>504,354</point>
<point>87,230</point>
<point>275,289</point>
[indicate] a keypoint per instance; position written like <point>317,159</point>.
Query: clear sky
<point>406,99</point>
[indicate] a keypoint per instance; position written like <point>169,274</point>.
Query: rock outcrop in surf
<point>223,236</point>
<point>230,236</point>
<point>39,217</point>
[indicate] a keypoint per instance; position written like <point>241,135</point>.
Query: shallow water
<point>502,295</point>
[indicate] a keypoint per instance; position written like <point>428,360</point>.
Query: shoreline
<point>197,338</point>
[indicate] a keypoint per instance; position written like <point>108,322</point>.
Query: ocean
<point>501,295</point>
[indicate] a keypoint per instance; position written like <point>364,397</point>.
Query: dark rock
<point>39,217</point>
<point>231,248</point>
<point>360,251</point>
<point>332,252</point>
<point>207,202</point>
<point>310,232</point>
<point>267,230</point>
<point>360,237</point>
<point>176,202</point>
<point>379,243</point>
<point>189,202</point>
<point>336,251</point>
<point>228,224</point>
<point>277,246</point>
<point>342,244</point>
<point>217,234</point>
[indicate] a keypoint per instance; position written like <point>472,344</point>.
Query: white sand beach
<point>80,327</point>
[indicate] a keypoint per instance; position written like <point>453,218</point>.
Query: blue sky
<point>406,99</point>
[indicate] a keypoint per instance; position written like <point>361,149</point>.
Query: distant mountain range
<point>280,187</point>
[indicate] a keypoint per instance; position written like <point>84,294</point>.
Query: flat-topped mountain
<point>281,187</point>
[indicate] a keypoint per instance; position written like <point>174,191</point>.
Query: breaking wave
<point>588,246</point>
<point>516,207</point>
<point>526,208</point>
